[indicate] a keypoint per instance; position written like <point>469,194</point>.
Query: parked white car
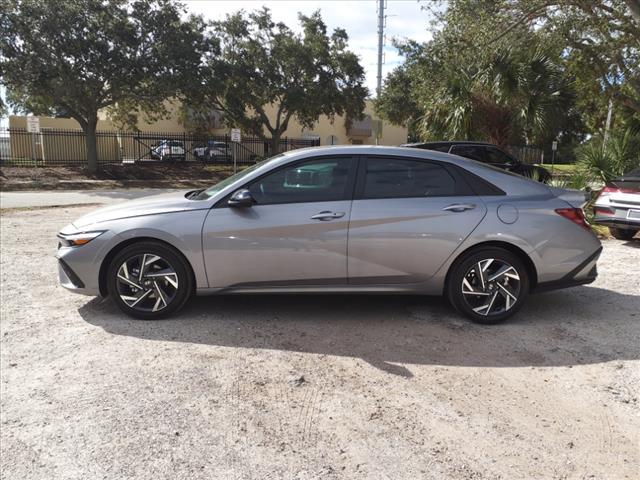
<point>169,150</point>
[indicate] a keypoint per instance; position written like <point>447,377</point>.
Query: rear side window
<point>468,151</point>
<point>498,157</point>
<point>403,178</point>
<point>440,148</point>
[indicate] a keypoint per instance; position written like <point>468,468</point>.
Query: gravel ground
<point>301,387</point>
<point>44,198</point>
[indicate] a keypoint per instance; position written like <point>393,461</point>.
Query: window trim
<point>348,190</point>
<point>478,185</point>
<point>462,187</point>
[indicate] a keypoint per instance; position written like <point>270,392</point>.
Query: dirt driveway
<point>349,387</point>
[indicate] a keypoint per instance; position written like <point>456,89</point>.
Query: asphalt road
<point>49,198</point>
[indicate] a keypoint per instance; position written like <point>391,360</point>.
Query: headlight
<point>77,239</point>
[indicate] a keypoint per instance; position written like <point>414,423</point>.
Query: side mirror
<point>241,198</point>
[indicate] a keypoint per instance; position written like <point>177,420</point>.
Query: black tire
<point>622,234</point>
<point>168,256</point>
<point>466,265</point>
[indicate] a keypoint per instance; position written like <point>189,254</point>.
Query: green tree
<point>462,86</point>
<point>602,39</point>
<point>262,63</point>
<point>87,55</point>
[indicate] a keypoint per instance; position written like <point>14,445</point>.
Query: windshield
<point>211,191</point>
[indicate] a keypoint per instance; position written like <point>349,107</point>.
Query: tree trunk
<point>91,142</point>
<point>275,144</point>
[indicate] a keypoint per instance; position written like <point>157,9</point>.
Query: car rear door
<point>408,216</point>
<point>294,234</point>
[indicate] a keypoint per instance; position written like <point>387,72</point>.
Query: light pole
<point>380,44</point>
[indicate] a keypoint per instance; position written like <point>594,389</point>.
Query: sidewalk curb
<point>104,184</point>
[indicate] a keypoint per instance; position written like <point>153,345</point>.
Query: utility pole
<point>381,18</point>
<point>380,44</point>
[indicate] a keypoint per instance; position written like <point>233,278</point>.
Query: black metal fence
<point>52,147</point>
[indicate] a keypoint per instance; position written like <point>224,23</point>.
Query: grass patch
<point>562,168</point>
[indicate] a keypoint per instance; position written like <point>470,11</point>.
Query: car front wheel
<point>488,285</point>
<point>149,280</point>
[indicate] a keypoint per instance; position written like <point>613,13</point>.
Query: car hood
<point>152,205</point>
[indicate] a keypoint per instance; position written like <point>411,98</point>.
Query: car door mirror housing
<point>241,198</point>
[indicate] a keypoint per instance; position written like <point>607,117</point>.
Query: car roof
<point>447,142</point>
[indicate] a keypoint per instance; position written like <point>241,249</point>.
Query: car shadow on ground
<point>634,242</point>
<point>583,325</point>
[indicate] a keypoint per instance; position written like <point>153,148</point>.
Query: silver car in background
<point>338,219</point>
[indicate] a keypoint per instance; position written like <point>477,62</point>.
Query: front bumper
<point>583,274</point>
<point>79,267</point>
<point>70,280</point>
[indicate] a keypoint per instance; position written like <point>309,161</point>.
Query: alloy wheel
<point>147,282</point>
<point>491,287</point>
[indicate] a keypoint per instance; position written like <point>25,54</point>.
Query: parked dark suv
<point>487,153</point>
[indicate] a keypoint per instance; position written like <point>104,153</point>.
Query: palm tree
<point>512,96</point>
<point>602,162</point>
<point>450,114</point>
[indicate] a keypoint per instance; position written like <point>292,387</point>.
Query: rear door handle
<point>325,216</point>
<point>459,207</point>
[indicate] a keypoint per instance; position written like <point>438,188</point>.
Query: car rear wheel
<point>149,280</point>
<point>488,285</point>
<point>622,234</point>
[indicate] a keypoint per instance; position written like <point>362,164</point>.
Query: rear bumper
<point>623,223</point>
<point>583,274</point>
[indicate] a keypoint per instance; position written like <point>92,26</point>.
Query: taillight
<point>576,215</point>
<point>604,211</point>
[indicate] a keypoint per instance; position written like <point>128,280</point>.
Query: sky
<point>405,19</point>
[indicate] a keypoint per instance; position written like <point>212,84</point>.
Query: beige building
<point>369,131</point>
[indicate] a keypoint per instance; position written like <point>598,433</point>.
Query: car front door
<point>408,216</point>
<point>295,233</point>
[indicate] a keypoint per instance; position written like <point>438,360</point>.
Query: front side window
<point>468,151</point>
<point>319,180</point>
<point>402,178</point>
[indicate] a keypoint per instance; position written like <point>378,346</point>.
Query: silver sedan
<point>338,219</point>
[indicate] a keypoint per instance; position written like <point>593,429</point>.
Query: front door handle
<point>325,216</point>
<point>459,207</point>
